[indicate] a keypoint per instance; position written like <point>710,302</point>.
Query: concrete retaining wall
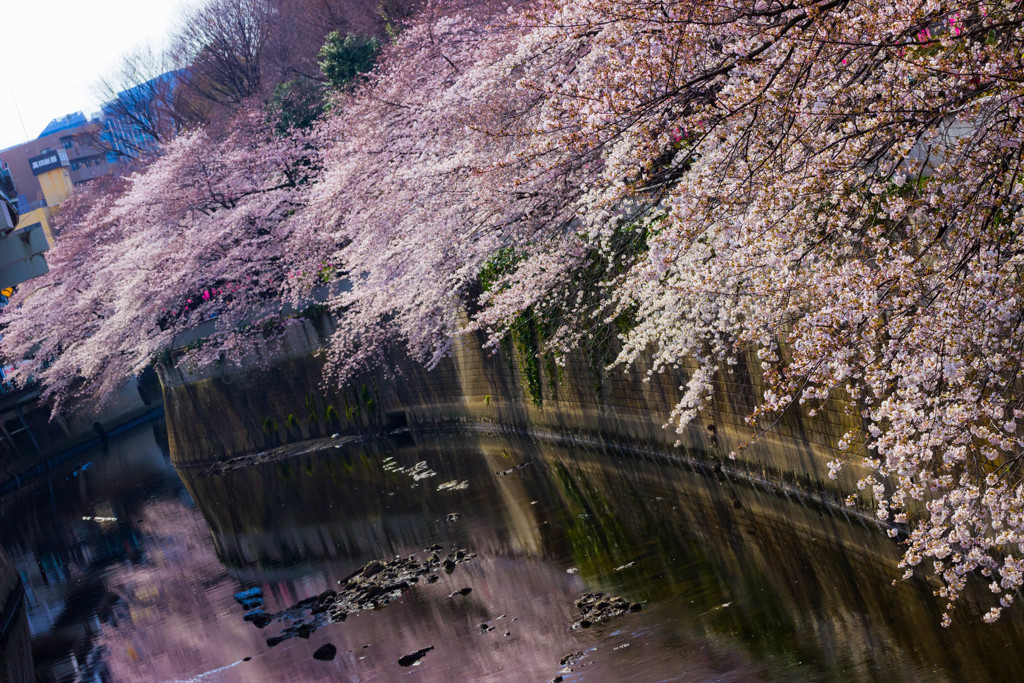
<point>30,441</point>
<point>221,412</point>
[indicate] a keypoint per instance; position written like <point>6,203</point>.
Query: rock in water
<point>372,567</point>
<point>410,659</point>
<point>598,608</point>
<point>372,586</point>
<point>325,653</point>
<point>250,599</point>
<point>571,658</point>
<point>258,617</point>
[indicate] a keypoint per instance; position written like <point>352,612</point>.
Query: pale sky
<point>52,53</point>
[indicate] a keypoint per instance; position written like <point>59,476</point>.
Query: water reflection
<point>736,583</point>
<point>67,531</point>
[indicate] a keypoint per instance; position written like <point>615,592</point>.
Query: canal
<point>465,557</point>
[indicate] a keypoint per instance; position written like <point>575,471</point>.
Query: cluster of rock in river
<point>596,608</point>
<point>380,582</point>
<point>374,585</point>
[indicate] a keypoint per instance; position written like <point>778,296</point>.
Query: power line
<point>18,109</point>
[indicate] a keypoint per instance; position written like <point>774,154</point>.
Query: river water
<point>131,570</point>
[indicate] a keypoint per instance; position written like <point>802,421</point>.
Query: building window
<point>68,141</point>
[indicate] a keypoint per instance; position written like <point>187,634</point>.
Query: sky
<point>53,53</point>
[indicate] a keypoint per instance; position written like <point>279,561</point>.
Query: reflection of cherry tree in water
<point>62,560</point>
<point>792,581</point>
<point>178,615</point>
<point>162,623</point>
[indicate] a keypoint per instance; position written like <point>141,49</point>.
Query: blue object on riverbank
<point>251,598</point>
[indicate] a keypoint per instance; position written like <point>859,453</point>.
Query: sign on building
<point>47,161</point>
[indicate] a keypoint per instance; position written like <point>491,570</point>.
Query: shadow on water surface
<point>734,583</point>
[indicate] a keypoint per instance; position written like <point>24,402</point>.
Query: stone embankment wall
<point>221,413</point>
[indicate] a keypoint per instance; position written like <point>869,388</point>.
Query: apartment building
<point>75,140</point>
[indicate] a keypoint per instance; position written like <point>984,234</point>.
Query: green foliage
<point>269,425</point>
<point>554,373</point>
<point>502,263</point>
<point>367,398</point>
<point>585,290</point>
<point>292,421</point>
<point>314,312</point>
<point>311,409</point>
<point>525,334</point>
<point>351,411</point>
<point>330,413</point>
<point>508,353</point>
<point>327,273</point>
<point>625,322</point>
<point>525,338</point>
<point>296,104</point>
<point>342,60</point>
<point>394,14</point>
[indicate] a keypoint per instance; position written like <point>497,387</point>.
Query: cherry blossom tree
<point>430,172</point>
<point>196,235</point>
<point>837,178</point>
<point>832,185</point>
<point>842,178</point>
